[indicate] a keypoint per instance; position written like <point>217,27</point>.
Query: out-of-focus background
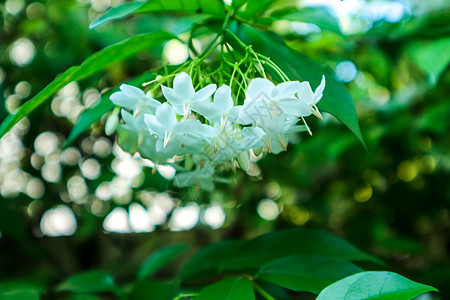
<point>91,205</point>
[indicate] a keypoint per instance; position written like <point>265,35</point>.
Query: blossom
<point>220,109</point>
<point>305,104</point>
<point>183,95</point>
<point>135,99</point>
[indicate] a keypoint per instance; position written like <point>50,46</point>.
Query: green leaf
<point>431,57</point>
<point>154,290</point>
<point>316,15</point>
<point>227,289</point>
<point>379,285</point>
<point>116,13</point>
<point>19,294</point>
<point>158,260</point>
<point>89,282</point>
<point>297,66</point>
<point>239,255</point>
<point>213,7</point>
<point>256,6</point>
<point>307,272</point>
<point>91,65</point>
<point>93,114</point>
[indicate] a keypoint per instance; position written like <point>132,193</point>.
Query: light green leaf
<point>93,114</point>
<point>256,6</point>
<point>336,100</point>
<point>316,15</point>
<point>91,65</point>
<point>19,294</point>
<point>89,282</point>
<point>116,13</point>
<point>253,254</point>
<point>158,260</point>
<point>228,289</point>
<point>308,273</point>
<point>374,285</point>
<point>213,7</point>
<point>431,57</point>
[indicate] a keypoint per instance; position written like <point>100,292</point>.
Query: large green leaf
<point>93,114</point>
<point>431,57</point>
<point>228,289</point>
<point>374,285</point>
<point>154,290</point>
<point>306,272</point>
<point>19,295</point>
<point>253,254</point>
<point>213,7</point>
<point>91,65</point>
<point>316,15</point>
<point>297,66</point>
<point>89,282</point>
<point>158,260</point>
<point>116,13</point>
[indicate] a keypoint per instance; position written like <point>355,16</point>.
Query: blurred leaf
<point>93,114</point>
<point>374,285</point>
<point>227,289</point>
<point>89,282</point>
<point>154,290</point>
<point>116,13</point>
<point>213,7</point>
<point>19,294</point>
<point>91,65</point>
<point>297,66</point>
<point>306,273</point>
<point>316,15</point>
<point>159,259</point>
<point>431,57</point>
<point>255,6</point>
<point>252,254</point>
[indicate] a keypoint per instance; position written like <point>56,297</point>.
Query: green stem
<point>262,292</point>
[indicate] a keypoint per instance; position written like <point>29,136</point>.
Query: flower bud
<point>111,124</point>
<point>243,159</point>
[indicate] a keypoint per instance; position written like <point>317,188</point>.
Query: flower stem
<point>262,292</point>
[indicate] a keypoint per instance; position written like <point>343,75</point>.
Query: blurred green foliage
<point>391,201</point>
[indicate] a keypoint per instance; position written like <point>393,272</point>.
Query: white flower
<point>183,95</point>
<point>262,97</point>
<point>305,104</point>
<point>135,99</point>
<point>220,109</point>
<point>165,126</point>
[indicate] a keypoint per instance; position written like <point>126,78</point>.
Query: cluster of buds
<point>208,129</point>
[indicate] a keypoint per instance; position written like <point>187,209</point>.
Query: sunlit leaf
<point>91,65</point>
<point>116,13</point>
<point>89,282</point>
<point>227,289</point>
<point>214,7</point>
<point>159,259</point>
<point>378,285</point>
<point>307,272</point>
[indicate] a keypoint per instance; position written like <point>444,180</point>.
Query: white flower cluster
<point>270,113</point>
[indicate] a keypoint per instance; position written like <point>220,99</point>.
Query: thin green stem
<point>262,292</point>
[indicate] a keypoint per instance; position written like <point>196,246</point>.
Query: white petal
<point>182,85</point>
<point>132,91</point>
<point>222,98</point>
<point>295,107</point>
<point>204,93</point>
<point>171,96</point>
<point>306,93</point>
<point>166,116</point>
<point>207,109</point>
<point>286,90</point>
<point>153,125</point>
<point>260,87</point>
<point>121,99</point>
<point>319,91</point>
<point>187,126</point>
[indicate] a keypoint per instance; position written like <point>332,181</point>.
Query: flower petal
<point>319,91</point>
<point>286,90</point>
<point>132,91</point>
<point>166,116</point>
<point>295,107</point>
<point>222,98</point>
<point>207,109</point>
<point>204,93</point>
<point>121,99</point>
<point>182,85</point>
<point>305,93</point>
<point>153,125</point>
<point>171,96</point>
<point>260,87</point>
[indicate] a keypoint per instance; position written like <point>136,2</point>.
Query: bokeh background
<point>89,205</point>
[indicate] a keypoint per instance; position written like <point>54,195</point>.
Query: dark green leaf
<point>431,57</point>
<point>213,7</point>
<point>116,13</point>
<point>336,100</point>
<point>154,290</point>
<point>252,254</point>
<point>93,114</point>
<point>378,285</point>
<point>89,282</point>
<point>158,260</point>
<point>91,65</point>
<point>316,15</point>
<point>227,289</point>
<point>307,272</point>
